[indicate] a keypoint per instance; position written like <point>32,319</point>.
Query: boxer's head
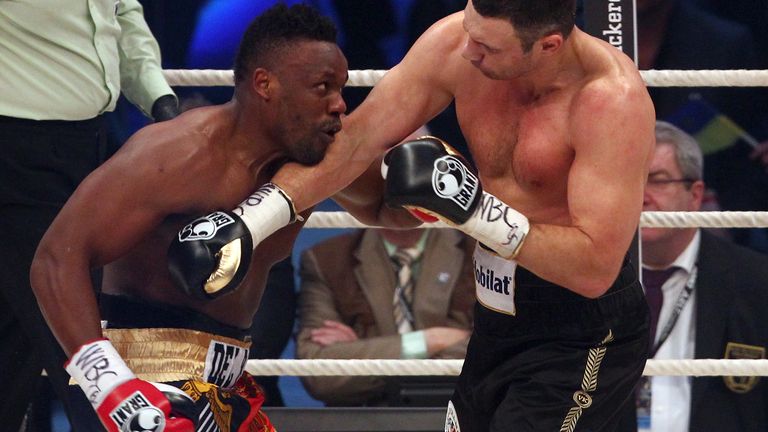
<point>505,37</point>
<point>291,68</point>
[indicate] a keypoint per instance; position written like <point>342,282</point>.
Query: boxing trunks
<point>202,357</point>
<point>542,358</point>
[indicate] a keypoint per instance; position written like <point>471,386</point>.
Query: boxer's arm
<point>112,209</point>
<point>364,199</point>
<point>605,191</point>
<point>407,97</point>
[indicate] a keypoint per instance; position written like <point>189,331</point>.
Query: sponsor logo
<point>451,180</point>
<point>612,21</point>
<point>137,414</point>
<point>205,228</point>
<point>488,279</point>
<point>733,350</point>
<point>614,34</point>
<point>224,363</point>
<point>494,281</point>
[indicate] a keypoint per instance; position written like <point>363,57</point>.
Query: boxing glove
<point>210,256</point>
<point>123,402</point>
<point>432,180</point>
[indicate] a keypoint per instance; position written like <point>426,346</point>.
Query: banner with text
<point>614,22</point>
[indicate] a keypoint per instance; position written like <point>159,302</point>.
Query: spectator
<point>349,296</point>
<point>63,65</point>
<point>706,309</point>
<point>678,34</point>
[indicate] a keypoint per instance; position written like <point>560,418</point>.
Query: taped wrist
<point>266,211</point>
<point>98,369</point>
<point>497,226</point>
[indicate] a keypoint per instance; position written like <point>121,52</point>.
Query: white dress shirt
<point>69,59</point>
<point>671,395</point>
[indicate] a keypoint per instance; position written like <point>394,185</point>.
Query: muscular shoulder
<point>613,90</point>
<point>445,34</point>
<point>178,155</point>
<point>436,52</point>
<point>183,145</point>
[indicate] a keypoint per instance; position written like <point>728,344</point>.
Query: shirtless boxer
<point>561,128</point>
<point>287,104</point>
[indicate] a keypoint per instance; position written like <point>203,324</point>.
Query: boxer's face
<point>493,47</point>
<point>310,104</point>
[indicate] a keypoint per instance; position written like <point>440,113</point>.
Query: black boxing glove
<point>210,256</point>
<point>432,180</point>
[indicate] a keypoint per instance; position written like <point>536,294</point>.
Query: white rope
<point>709,219</point>
<point>328,367</point>
<point>369,78</point>
<point>705,78</point>
<point>199,77</point>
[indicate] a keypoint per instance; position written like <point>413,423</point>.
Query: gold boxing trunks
<point>209,368</point>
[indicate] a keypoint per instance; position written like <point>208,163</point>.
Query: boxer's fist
<point>427,175</point>
<point>430,178</point>
<point>210,255</point>
<point>123,402</point>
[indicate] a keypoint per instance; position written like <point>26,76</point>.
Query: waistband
<point>88,125</point>
<point>167,354</point>
<point>123,312</point>
<point>543,305</point>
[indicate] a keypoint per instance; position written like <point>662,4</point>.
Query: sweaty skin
<point>563,134</point>
<point>125,214</point>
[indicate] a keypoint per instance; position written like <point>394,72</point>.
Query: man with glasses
<point>709,305</point>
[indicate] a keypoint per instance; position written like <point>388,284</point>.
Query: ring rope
<point>369,77</point>
<point>653,78</point>
<point>387,367</point>
<point>707,219</point>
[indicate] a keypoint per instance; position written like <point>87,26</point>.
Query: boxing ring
<point>707,219</point>
<point>424,419</point>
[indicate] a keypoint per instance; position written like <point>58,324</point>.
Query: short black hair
<point>532,19</point>
<point>277,26</point>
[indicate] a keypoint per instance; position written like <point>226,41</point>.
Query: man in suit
<point>711,306</point>
<point>679,34</point>
<point>351,304</point>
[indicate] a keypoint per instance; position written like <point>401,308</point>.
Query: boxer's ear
<point>260,82</point>
<point>551,43</point>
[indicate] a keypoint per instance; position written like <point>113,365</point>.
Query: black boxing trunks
<point>548,359</point>
<point>202,357</point>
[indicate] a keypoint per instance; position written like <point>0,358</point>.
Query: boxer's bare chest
<point>143,272</point>
<point>521,147</point>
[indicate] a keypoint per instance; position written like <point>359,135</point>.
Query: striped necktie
<point>403,298</point>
